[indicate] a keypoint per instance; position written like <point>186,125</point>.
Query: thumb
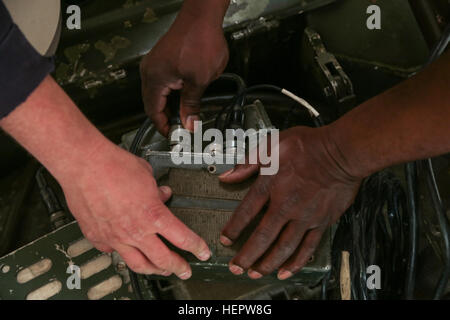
<point>190,104</point>
<point>155,98</point>
<point>239,173</point>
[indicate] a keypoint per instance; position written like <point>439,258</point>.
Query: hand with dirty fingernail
<point>308,194</point>
<point>191,55</point>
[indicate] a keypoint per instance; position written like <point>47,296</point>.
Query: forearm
<point>409,122</point>
<point>51,128</point>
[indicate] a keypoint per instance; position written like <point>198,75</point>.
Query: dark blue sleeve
<point>22,68</point>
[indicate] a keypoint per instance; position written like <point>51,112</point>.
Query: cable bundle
<point>375,230</point>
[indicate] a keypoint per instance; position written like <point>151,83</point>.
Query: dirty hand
<point>193,53</point>
<point>309,193</point>
<point>119,207</point>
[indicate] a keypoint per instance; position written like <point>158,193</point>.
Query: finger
<point>181,236</point>
<point>239,173</point>
<point>155,98</point>
<point>285,246</point>
<point>302,254</point>
<point>190,104</point>
<point>165,193</point>
<point>249,207</point>
<point>261,239</point>
<point>163,258</point>
<point>161,123</point>
<point>137,262</point>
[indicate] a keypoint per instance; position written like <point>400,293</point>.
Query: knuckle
<point>158,217</point>
<point>163,262</point>
<point>242,261</point>
<point>286,248</point>
<point>118,237</point>
<point>245,210</point>
<point>283,213</point>
<point>187,242</point>
<point>262,188</point>
<point>263,234</point>
<point>91,236</point>
<point>265,269</point>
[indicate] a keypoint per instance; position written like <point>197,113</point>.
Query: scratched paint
<point>110,49</point>
<point>241,10</point>
<point>149,16</point>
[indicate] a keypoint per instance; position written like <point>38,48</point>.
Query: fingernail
<point>225,241</point>
<point>227,173</point>
<point>186,275</point>
<point>191,122</point>
<point>205,255</point>
<point>284,274</point>
<point>236,269</point>
<point>165,189</point>
<point>254,274</point>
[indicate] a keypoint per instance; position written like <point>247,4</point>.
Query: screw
<point>121,266</point>
<point>212,169</point>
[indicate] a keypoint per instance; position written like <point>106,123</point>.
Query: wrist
<point>78,157</point>
<point>340,154</point>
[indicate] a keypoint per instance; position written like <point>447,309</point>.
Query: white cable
<point>303,102</point>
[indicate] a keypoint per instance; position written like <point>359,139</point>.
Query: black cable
<point>48,196</point>
<point>374,230</point>
<point>433,187</point>
<point>439,48</point>
<point>235,103</point>
<point>136,144</point>
<point>444,228</point>
<point>318,121</point>
<point>411,181</point>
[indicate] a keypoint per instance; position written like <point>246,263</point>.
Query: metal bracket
<point>337,86</point>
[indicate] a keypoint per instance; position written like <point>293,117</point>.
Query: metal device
<point>325,70</point>
<point>205,205</point>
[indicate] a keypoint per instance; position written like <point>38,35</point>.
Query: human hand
<point>310,192</point>
<point>119,207</point>
<point>193,53</point>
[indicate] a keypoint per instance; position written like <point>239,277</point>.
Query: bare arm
<point>191,55</point>
<point>321,170</point>
<point>411,121</point>
<point>112,193</point>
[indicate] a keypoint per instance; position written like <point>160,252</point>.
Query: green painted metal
<point>54,246</point>
<point>106,52</point>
